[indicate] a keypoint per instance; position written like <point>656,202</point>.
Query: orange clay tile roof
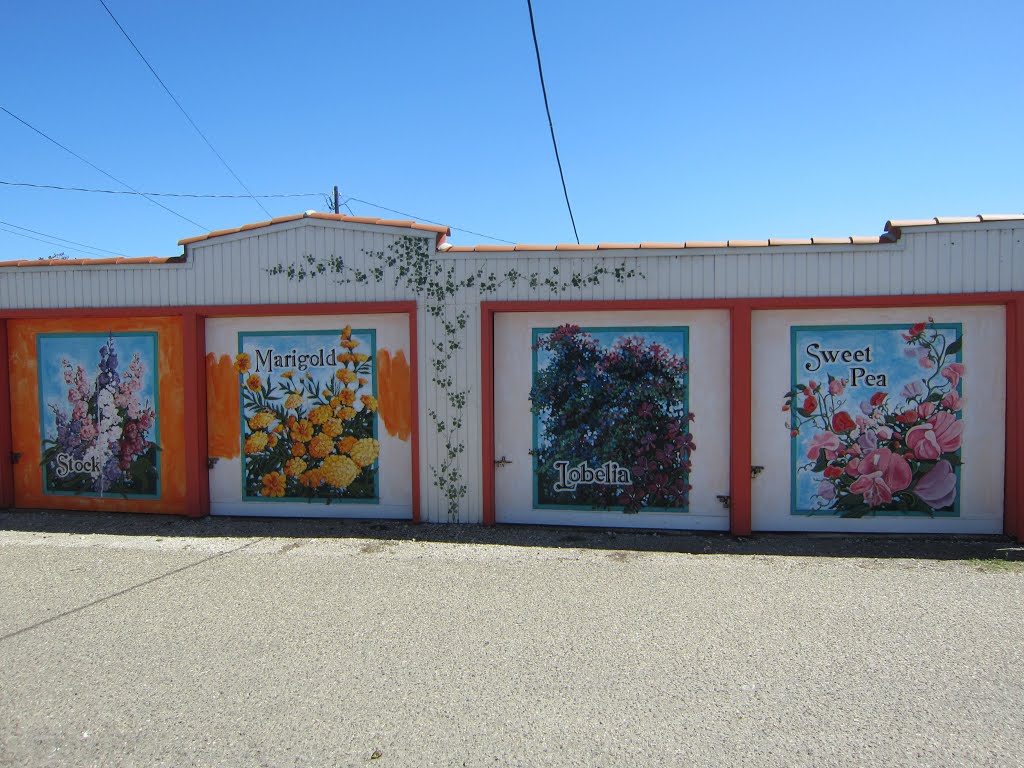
<point>440,230</point>
<point>893,230</point>
<point>134,260</point>
<point>689,244</point>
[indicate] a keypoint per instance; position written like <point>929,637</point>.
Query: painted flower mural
<point>611,422</point>
<point>879,429</point>
<point>309,408</point>
<point>102,437</point>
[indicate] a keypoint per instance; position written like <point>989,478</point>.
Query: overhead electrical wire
<point>344,202</point>
<point>97,168</point>
<point>62,239</point>
<point>551,125</point>
<point>5,224</point>
<point>428,221</point>
<point>151,194</point>
<point>178,104</point>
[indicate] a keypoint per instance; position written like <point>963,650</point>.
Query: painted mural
<point>611,418</point>
<point>876,419</point>
<point>309,415</point>
<point>99,422</point>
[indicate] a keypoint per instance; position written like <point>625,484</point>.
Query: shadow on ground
<point>785,544</point>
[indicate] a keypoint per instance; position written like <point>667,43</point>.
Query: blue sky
<point>675,121</point>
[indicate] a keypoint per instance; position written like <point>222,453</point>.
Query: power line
<point>428,221</point>
<point>62,239</point>
<point>50,243</point>
<point>152,194</point>
<point>344,202</point>
<point>551,125</point>
<point>178,104</point>
<point>97,168</point>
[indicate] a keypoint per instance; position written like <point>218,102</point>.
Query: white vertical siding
<point>233,269</point>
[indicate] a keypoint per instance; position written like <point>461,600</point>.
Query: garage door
<point>612,418</point>
<point>873,420</point>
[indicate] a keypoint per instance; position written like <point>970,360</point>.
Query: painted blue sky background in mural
<point>83,349</point>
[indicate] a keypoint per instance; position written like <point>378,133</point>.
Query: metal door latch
<point>755,471</point>
<point>503,461</point>
<point>725,500</point>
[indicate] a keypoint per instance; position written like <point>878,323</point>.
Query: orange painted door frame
<point>193,361</point>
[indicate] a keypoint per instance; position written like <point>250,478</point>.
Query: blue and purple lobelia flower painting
<point>611,418</point>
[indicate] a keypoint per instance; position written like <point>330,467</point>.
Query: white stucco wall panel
<point>984,419</point>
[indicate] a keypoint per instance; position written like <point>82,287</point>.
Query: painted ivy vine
<point>407,264</point>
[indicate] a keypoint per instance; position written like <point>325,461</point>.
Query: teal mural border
<point>372,333</point>
<point>626,329</point>
<point>155,338</point>
<point>793,452</point>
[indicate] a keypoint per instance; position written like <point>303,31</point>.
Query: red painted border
<point>197,476</point>
<point>6,438</point>
<point>221,310</point>
<point>194,375</point>
<point>741,310</point>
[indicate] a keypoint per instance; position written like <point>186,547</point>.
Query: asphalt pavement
<point>152,641</point>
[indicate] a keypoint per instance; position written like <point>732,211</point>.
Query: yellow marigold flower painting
<point>309,435</point>
<point>364,453</point>
<point>332,427</point>
<point>273,484</point>
<point>311,479</point>
<point>339,471</point>
<point>256,443</point>
<point>294,467</point>
<point>320,446</point>
<point>320,414</point>
<point>261,420</point>
<point>302,431</point>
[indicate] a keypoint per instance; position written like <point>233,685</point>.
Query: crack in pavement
<point>126,590</point>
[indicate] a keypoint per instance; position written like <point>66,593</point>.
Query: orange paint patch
<point>25,418</point>
<point>222,408</point>
<point>394,386</point>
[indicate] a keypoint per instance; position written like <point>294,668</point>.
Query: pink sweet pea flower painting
<point>885,436</point>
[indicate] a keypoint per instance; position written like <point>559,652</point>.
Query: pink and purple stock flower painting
<point>98,396</point>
